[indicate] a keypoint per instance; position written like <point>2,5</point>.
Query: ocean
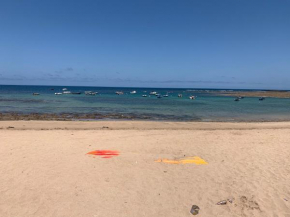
<point>208,105</point>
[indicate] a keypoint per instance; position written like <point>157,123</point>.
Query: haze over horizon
<point>190,44</point>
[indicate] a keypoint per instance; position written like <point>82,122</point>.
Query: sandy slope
<point>47,172</point>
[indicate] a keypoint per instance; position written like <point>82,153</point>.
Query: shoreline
<point>256,94</point>
<point>96,117</point>
<point>139,125</point>
<point>88,117</point>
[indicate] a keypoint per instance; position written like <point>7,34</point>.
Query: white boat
<point>153,93</point>
<point>119,93</point>
<point>133,92</point>
<point>192,97</point>
<point>66,92</point>
<point>180,95</point>
<point>144,95</point>
<point>35,94</point>
<point>64,89</point>
<point>165,95</point>
<point>91,93</point>
<point>58,93</point>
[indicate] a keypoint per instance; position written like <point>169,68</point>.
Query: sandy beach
<point>46,172</point>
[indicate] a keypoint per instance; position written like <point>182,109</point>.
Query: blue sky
<point>188,43</point>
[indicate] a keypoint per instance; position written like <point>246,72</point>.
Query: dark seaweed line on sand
<point>91,116</point>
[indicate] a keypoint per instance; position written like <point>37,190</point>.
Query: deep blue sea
<point>206,107</point>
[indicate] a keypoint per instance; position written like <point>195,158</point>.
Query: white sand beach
<point>45,171</point>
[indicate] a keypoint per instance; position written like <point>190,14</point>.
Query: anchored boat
<point>91,93</point>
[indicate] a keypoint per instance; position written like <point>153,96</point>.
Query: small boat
<point>153,93</point>
<point>66,92</point>
<point>77,93</point>
<point>192,97</point>
<point>180,95</point>
<point>64,89</point>
<point>91,93</point>
<point>165,95</point>
<point>159,96</point>
<point>58,93</point>
<point>35,94</point>
<point>144,95</point>
<point>237,99</point>
<point>133,92</point>
<point>262,98</point>
<point>119,93</point>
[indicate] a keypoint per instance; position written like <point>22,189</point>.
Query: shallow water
<point>206,107</point>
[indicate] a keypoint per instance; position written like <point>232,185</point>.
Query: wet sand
<point>45,170</point>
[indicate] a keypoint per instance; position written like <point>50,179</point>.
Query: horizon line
<point>200,88</point>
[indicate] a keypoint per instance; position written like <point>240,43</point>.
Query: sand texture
<point>45,171</point>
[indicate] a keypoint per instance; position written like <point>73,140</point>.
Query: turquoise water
<point>206,107</point>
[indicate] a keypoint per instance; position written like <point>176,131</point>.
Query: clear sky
<point>147,43</point>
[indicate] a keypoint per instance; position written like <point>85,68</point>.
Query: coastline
<point>96,117</point>
<point>266,93</point>
<point>67,116</point>
<point>138,125</point>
